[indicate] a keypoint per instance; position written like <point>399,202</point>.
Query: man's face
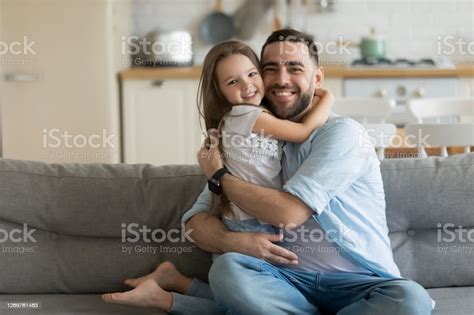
<point>290,76</point>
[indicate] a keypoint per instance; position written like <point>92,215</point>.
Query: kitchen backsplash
<point>413,29</point>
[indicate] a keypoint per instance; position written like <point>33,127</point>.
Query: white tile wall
<point>411,27</point>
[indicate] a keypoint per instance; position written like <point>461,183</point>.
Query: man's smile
<point>283,95</point>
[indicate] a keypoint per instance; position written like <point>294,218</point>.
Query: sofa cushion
<point>453,301</point>
<point>78,211</point>
<point>78,215</point>
<point>427,199</point>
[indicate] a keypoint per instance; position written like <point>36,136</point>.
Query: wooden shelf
<point>330,71</point>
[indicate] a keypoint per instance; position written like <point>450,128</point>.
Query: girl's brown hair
<point>211,102</point>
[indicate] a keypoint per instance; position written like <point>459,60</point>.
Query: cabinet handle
<point>381,93</point>
<point>401,90</point>
<point>158,83</point>
<point>21,77</point>
<point>419,92</point>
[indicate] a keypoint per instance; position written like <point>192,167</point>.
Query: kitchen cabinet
<point>466,87</point>
<point>160,121</point>
<point>401,90</point>
<point>60,97</point>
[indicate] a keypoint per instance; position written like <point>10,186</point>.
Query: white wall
<point>411,27</point>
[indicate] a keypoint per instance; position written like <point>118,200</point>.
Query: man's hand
<point>262,245</point>
<point>211,235</point>
<point>209,157</point>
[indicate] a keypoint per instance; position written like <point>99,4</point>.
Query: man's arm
<point>211,235</point>
<point>270,205</point>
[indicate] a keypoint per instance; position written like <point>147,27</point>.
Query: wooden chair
<point>441,135</point>
<point>372,114</point>
<point>364,109</point>
<point>452,110</point>
<point>381,136</point>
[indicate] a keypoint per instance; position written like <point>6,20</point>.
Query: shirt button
<point>53,235</point>
<point>411,232</point>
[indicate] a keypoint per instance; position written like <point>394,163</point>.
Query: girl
<point>230,93</point>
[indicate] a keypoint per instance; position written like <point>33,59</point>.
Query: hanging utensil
<point>217,26</point>
<point>249,17</point>
<point>288,13</point>
<point>276,16</point>
<point>304,27</point>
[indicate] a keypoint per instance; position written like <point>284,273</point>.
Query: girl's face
<point>239,80</point>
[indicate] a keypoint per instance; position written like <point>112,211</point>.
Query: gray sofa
<point>76,230</point>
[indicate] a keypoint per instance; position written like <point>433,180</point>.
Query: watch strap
<point>214,182</point>
<point>219,173</point>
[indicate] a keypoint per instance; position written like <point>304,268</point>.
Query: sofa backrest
<point>61,225</point>
<point>430,215</point>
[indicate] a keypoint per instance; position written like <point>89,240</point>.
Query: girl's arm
<point>292,131</point>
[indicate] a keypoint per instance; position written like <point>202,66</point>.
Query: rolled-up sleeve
<point>339,155</point>
<point>202,204</point>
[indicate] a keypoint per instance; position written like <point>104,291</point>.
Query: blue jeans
<point>247,285</point>
<point>198,300</point>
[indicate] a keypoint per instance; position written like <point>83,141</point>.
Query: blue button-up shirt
<point>336,173</point>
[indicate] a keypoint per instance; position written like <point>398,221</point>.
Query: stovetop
<point>400,63</point>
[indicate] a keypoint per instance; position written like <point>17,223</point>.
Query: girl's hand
<point>319,94</point>
<point>209,156</point>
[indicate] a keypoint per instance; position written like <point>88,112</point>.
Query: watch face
<point>214,187</point>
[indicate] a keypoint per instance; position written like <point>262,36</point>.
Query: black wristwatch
<point>215,182</point>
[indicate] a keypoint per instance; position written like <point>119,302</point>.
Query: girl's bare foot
<point>167,277</point>
<point>147,294</point>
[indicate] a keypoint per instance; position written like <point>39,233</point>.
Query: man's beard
<point>301,105</point>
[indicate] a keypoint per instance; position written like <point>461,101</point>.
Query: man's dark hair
<point>293,36</point>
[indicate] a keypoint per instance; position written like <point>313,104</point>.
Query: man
<point>333,190</point>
